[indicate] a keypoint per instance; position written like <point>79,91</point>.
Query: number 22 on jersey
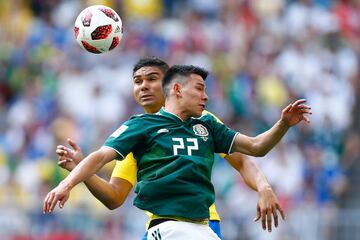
<point>179,143</point>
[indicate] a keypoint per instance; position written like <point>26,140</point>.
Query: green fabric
<point>175,160</point>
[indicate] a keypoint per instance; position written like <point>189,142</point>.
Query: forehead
<point>147,71</point>
<point>197,79</point>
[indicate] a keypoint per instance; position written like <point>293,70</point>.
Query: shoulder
<point>142,118</point>
<point>135,123</point>
<point>146,116</point>
<point>138,117</point>
<point>208,116</point>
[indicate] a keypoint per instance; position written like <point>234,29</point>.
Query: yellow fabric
<point>209,113</point>
<point>214,215</point>
<point>153,216</point>
<point>127,169</point>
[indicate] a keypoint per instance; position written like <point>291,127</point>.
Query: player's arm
<point>268,203</point>
<point>115,196</point>
<point>112,194</point>
<point>118,145</point>
<point>86,168</point>
<point>249,171</point>
<point>260,145</point>
<point>252,175</point>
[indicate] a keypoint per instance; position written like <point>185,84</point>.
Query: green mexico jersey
<point>174,159</point>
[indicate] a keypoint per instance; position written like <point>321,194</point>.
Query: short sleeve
<point>126,169</point>
<point>223,136</point>
<point>126,137</point>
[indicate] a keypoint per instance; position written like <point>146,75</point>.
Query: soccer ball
<point>98,29</point>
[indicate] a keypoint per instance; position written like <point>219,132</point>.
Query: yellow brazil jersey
<point>127,169</point>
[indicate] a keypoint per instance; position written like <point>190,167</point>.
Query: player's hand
<point>59,194</point>
<point>295,113</point>
<point>268,206</point>
<point>68,158</point>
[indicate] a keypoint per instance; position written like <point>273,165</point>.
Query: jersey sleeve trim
<point>232,143</point>
<point>120,154</point>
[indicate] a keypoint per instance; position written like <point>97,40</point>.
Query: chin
<point>197,114</point>
<point>147,103</point>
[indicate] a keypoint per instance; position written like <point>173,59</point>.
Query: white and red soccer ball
<point>98,29</point>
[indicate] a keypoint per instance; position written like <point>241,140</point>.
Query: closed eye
<point>137,81</point>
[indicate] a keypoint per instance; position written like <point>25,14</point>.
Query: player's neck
<point>176,110</point>
<point>151,110</point>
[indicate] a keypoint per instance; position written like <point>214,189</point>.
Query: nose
<point>205,97</point>
<point>144,86</point>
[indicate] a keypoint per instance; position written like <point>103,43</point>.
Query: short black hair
<point>151,61</point>
<point>181,70</point>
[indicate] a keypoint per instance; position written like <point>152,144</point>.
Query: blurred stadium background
<point>262,54</point>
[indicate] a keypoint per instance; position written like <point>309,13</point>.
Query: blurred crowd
<point>261,55</point>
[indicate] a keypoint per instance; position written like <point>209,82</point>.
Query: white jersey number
<point>192,144</point>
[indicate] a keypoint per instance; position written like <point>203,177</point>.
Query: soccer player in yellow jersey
<point>147,77</point>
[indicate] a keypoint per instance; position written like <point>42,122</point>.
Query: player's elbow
<point>258,148</point>
<point>258,151</point>
<point>119,193</point>
<point>114,202</point>
<point>251,146</point>
<point>113,205</point>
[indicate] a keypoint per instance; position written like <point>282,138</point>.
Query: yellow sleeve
<point>126,169</point>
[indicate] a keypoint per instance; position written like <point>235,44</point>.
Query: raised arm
<point>268,203</point>
<point>260,145</point>
<point>86,168</point>
<point>112,194</point>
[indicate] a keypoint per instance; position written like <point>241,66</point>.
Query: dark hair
<point>181,70</point>
<point>151,61</point>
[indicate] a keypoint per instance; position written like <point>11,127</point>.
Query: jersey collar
<point>171,115</point>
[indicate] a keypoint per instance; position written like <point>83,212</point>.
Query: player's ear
<point>177,89</point>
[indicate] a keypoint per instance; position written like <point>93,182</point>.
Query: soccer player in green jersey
<point>174,150</point>
<point>147,76</point>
